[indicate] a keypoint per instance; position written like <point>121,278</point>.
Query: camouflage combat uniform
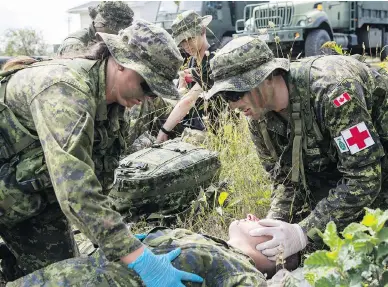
<point>114,16</point>
<point>344,144</point>
<point>66,143</point>
<point>211,258</point>
<point>74,97</point>
<point>327,156</point>
<point>78,42</point>
<point>187,25</point>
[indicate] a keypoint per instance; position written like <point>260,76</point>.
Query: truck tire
<point>225,40</point>
<point>314,40</point>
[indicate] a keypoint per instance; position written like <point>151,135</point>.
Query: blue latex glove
<point>157,270</point>
<point>140,236</point>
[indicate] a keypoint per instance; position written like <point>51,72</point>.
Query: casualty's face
<point>239,238</point>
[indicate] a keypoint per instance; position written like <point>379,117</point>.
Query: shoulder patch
<point>340,100</point>
<point>340,141</point>
<point>357,138</point>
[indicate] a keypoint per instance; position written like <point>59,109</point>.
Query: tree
<point>25,41</point>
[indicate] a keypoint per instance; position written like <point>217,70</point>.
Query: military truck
<point>225,15</point>
<point>309,24</point>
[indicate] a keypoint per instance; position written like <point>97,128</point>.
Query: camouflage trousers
<point>92,270</point>
<point>38,242</point>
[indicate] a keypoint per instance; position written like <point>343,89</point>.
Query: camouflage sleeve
<point>359,152</point>
<point>64,120</point>
<point>244,279</point>
<point>71,46</point>
<point>283,199</point>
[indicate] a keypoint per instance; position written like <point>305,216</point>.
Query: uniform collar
<point>102,109</point>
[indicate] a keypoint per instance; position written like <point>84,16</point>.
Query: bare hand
<point>162,137</point>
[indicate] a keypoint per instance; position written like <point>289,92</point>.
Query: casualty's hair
<point>18,62</point>
<point>98,51</point>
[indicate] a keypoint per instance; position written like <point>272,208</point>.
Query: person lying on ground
<point>235,262</point>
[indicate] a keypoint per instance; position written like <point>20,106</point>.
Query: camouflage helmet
<point>151,52</point>
<point>188,25</point>
<point>115,15</point>
<point>92,12</point>
<point>242,65</point>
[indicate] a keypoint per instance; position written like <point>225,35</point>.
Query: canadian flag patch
<point>339,101</point>
<point>357,138</point>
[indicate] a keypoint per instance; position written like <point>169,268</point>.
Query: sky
<point>49,17</point>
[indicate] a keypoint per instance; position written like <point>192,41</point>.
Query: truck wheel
<point>225,40</point>
<point>315,39</point>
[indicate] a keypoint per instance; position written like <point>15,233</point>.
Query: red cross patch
<point>357,138</point>
<point>339,101</point>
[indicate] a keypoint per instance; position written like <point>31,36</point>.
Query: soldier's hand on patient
<point>287,238</point>
<point>157,270</point>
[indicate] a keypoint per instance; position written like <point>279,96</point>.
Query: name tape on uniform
<point>341,100</point>
<point>357,138</point>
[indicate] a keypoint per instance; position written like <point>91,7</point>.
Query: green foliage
<point>247,189</point>
<point>27,42</point>
<point>357,258</point>
<point>337,49</point>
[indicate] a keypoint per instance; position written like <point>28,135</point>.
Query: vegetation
<point>247,185</point>
<point>27,42</point>
<point>357,258</point>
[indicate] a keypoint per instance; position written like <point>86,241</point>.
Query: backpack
<point>164,180</point>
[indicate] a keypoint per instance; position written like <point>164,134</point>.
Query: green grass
<point>247,189</point>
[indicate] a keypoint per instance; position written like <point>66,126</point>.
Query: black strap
<point>169,133</point>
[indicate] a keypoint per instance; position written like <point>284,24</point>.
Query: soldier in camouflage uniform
<point>61,135</point>
<point>189,33</point>
<point>320,127</point>
<point>109,17</point>
<point>220,263</point>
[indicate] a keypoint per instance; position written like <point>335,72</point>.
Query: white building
<point>146,10</point>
